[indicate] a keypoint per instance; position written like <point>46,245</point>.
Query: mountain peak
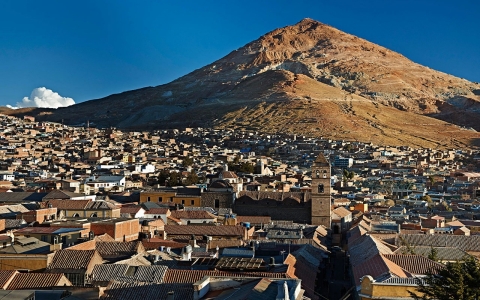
<point>295,79</point>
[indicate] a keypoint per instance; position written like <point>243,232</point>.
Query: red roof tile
<point>5,277</point>
<point>24,281</point>
<point>192,214</point>
<point>71,260</point>
<point>204,230</point>
<point>254,219</point>
<point>157,211</point>
<point>68,204</point>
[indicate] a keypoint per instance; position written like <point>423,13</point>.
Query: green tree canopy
<point>426,198</point>
<point>192,178</point>
<point>459,281</point>
<point>187,161</point>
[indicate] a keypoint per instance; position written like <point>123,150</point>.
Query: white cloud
<point>43,97</point>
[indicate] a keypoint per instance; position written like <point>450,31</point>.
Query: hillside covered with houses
<point>199,213</point>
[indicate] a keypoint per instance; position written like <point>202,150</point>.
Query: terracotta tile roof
<point>191,276</point>
<point>204,230</point>
<point>254,219</point>
<point>5,277</point>
<point>157,211</point>
<point>60,194</point>
<point>24,281</point>
<point>118,249</point>
<point>130,209</point>
<point>174,220</point>
<point>375,267</point>
<point>68,204</point>
<point>192,214</point>
<point>157,244</point>
<point>94,205</point>
<point>141,290</point>
<point>298,267</point>
<point>104,238</point>
<point>70,261</point>
<point>364,248</point>
<point>229,174</point>
<point>415,264</point>
<point>225,243</point>
<point>342,212</point>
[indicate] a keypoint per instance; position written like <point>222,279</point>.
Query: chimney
<point>171,295</point>
<point>193,242</point>
<point>285,291</point>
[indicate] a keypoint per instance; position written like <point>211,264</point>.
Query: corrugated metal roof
<point>466,243</point>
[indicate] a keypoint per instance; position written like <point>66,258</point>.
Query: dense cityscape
<point>201,213</point>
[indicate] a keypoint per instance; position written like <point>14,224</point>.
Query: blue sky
<point>90,49</point>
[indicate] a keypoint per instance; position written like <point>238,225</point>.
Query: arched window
<point>318,173</point>
<point>93,215</point>
<point>324,173</point>
<point>76,215</point>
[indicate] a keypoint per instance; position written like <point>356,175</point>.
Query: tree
<point>175,179</point>
<point>457,280</point>
<point>426,198</point>
<point>246,167</point>
<point>163,176</point>
<point>236,159</point>
<point>348,175</point>
<point>192,178</point>
<point>187,161</point>
<point>390,203</point>
<point>433,255</point>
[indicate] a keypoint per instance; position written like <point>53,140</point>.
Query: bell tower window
<point>321,188</point>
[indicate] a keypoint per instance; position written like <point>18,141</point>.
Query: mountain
<point>309,78</point>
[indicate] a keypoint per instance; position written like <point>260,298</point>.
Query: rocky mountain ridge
<point>309,78</point>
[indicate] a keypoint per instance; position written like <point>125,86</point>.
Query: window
<point>321,188</point>
<point>217,203</point>
<point>192,202</point>
<point>171,199</point>
<point>148,199</point>
<point>183,202</point>
<point>160,199</point>
<point>76,216</point>
<point>324,174</point>
<point>44,238</point>
<point>317,173</point>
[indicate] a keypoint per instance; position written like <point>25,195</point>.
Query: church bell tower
<point>321,194</point>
